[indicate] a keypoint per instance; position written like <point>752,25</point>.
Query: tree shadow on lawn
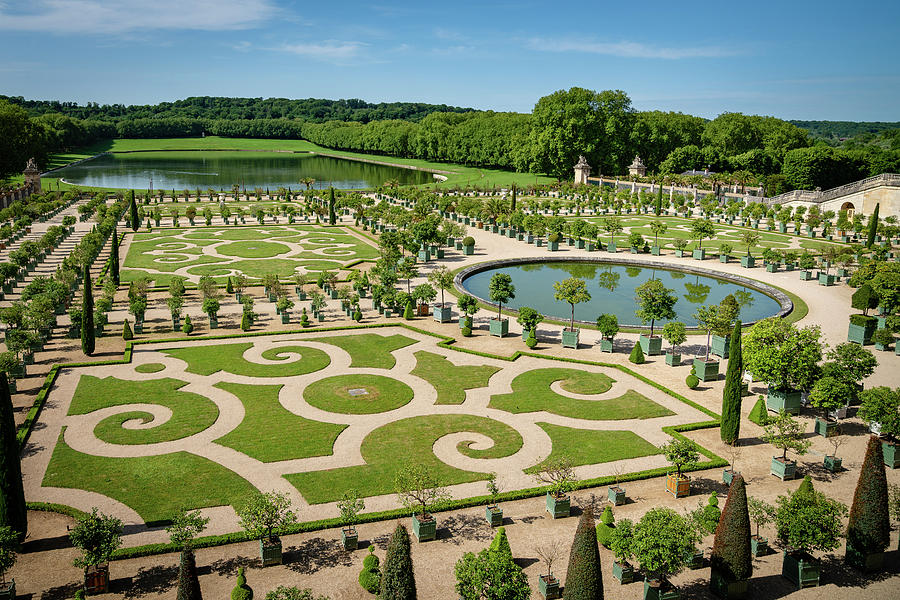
<point>315,554</point>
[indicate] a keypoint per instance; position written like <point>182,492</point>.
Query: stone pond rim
<point>787,306</point>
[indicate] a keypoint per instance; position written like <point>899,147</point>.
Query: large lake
<point>612,291</point>
<point>221,170</point>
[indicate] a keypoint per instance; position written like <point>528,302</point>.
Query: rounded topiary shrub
<point>370,576</point>
<point>605,527</point>
<point>553,237</point>
<point>187,327</point>
<point>637,355</point>
<point>692,380</point>
<point>241,590</point>
<point>468,241</point>
<point>466,332</point>
<point>531,341</point>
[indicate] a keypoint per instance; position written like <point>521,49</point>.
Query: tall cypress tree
<point>133,212</point>
<point>87,315</point>
<point>114,257</point>
<point>869,529</point>
<point>513,204</point>
<point>188,584</point>
<point>730,555</point>
<point>331,217</point>
<point>731,395</point>
<point>397,579</point>
<point>12,494</point>
<point>584,577</point>
<point>873,227</point>
<point>659,201</point>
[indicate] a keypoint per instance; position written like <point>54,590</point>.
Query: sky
<point>794,59</point>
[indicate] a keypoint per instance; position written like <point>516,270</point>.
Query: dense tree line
<point>844,129</point>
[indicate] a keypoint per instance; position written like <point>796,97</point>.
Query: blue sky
<point>792,59</point>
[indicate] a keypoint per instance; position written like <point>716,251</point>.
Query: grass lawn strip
<point>588,447</point>
<point>376,394</point>
<point>156,487</point>
<point>532,393</point>
<point>191,413</point>
<point>386,449</point>
<point>206,360</point>
<point>270,432</point>
<point>369,350</point>
<point>150,368</point>
<point>450,381</point>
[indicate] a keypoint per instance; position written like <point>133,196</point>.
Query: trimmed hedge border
<point>446,342</point>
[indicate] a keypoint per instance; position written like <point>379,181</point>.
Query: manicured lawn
<point>370,350</point>
<point>191,413</point>
<point>253,249</point>
<point>532,393</point>
<point>450,381</point>
<point>588,447</point>
<point>206,360</point>
<point>388,448</point>
<point>157,487</point>
<point>270,432</point>
<point>150,368</point>
<point>376,394</point>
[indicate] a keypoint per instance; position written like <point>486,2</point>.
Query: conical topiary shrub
<point>397,579</point>
<point>637,355</point>
<point>245,321</point>
<point>584,577</point>
<point>501,543</point>
<point>229,287</point>
<point>408,311</point>
<point>868,532</point>
<point>127,334</point>
<point>806,486</point>
<point>241,590</point>
<point>730,559</point>
<point>759,414</point>
<point>188,584</point>
<point>606,526</point>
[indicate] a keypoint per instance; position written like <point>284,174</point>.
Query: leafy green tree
<point>398,581</point>
<point>87,315</point>
<point>584,577</point>
<point>574,291</point>
<point>782,355</point>
<point>730,554</point>
<point>869,529</point>
<point>675,333</point>
<point>702,229</point>
<point>419,488</point>
<point>662,542</point>
<point>881,405</point>
<point>682,453</point>
<point>731,394</point>
<point>657,228</point>
<point>786,433</point>
<point>266,515</point>
<point>490,575</point>
<point>9,544</point>
<point>13,512</point>
<point>97,536</point>
<point>500,290</point>
<point>442,279</point>
<point>809,521</point>
<point>655,301</point>
<point>529,318</point>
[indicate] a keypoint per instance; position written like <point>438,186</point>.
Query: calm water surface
<point>612,291</point>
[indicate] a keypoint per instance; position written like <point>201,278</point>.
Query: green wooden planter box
<point>552,246</point>
<point>728,476</point>
<point>805,275</point>
<point>723,587</point>
<point>442,314</point>
<point>468,250</point>
<point>494,515</point>
<point>285,318</point>
<point>748,261</point>
<point>9,591</point>
<point>826,279</point>
<point>699,254</point>
<point>548,586</point>
<point>825,428</point>
<point>558,507</point>
<point>624,572</point>
<point>606,345</point>
<point>499,327</point>
<point>673,360</point>
<point>658,592</point>
<point>784,470</point>
<point>759,546</point>
<point>719,345</point>
<point>800,569</point>
<point>465,321</point>
<point>270,551</point>
<point>616,495</point>
<point>655,250</point>
<point>652,346</point>
<point>706,371</point>
<point>891,454</point>
<point>786,400</point>
<point>679,253</point>
<point>832,463</point>
<point>772,267</point>
<point>866,562</point>
<point>425,529</point>
<point>723,258</point>
<point>611,247</point>
<point>570,338</point>
<point>349,538</point>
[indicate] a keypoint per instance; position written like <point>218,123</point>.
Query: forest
<point>601,125</point>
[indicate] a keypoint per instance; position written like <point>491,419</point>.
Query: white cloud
<point>121,16</point>
<point>330,51</point>
<point>628,49</point>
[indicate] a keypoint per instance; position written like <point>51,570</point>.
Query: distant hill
<point>844,129</point>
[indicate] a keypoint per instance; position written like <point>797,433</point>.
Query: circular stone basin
<point>254,249</point>
<point>612,286</point>
<point>358,394</point>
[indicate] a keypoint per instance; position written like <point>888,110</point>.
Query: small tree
<point>608,324</point>
<point>574,291</point>
<point>187,327</point>
<point>529,318</point>
<point>490,575</point>
<point>702,229</point>
<point>398,581</point>
<point>584,577</point>
<point>657,228</point>
<point>662,542</point>
<point>467,304</point>
<point>559,474</point>
<point>782,355</point>
<point>682,453</point>
<point>501,289</point>
<point>655,301</point>
<point>786,433</point>
<point>761,513</point>
<point>350,506</point>
<point>751,239</point>
<point>731,549</point>
<point>809,521</point>
<point>830,393</point>
<point>869,529</point>
<point>675,333</point>
<point>549,552</point>
<point>620,541</point>
<point>864,299</point>
<point>97,536</point>
<point>418,488</point>
<point>442,279</point>
<point>881,405</point>
<point>266,515</point>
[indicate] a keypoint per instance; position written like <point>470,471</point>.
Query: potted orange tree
<point>560,476</point>
<point>263,517</point>
<point>493,512</point>
<point>97,536</point>
<point>663,541</point>
<point>500,289</point>
<point>420,491</point>
<point>761,513</point>
<point>655,302</point>
<point>682,453</point>
<point>574,291</point>
<point>807,520</point>
<point>785,433</point>
<point>350,506</point>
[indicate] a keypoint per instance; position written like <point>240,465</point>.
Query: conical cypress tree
<point>331,217</point>
<point>806,486</point>
<point>868,531</point>
<point>731,395</point>
<point>584,577</point>
<point>730,555</point>
<point>501,543</point>
<point>188,584</point>
<point>397,579</point>
<point>873,227</point>
<point>513,203</point>
<point>12,494</point>
<point>658,209</point>
<point>87,315</point>
<point>114,257</point>
<point>133,213</point>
